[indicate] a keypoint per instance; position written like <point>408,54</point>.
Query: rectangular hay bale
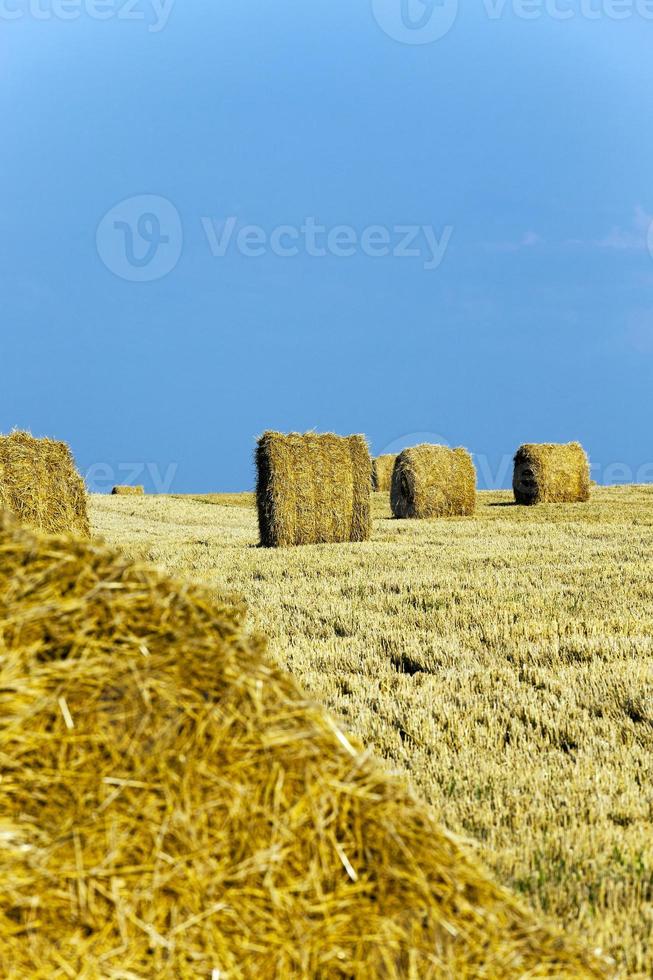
<point>40,485</point>
<point>313,488</point>
<point>382,468</point>
<point>551,473</point>
<point>126,491</point>
<point>433,481</point>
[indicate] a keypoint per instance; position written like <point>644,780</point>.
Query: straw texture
<point>433,481</point>
<point>382,468</point>
<point>125,491</point>
<point>551,473</point>
<point>171,805</point>
<point>40,484</point>
<point>313,489</point>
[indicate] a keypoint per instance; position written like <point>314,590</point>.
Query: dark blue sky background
<point>531,139</point>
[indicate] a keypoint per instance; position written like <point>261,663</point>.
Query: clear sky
<point>450,214</point>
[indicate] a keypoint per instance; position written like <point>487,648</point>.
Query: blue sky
<point>511,158</point>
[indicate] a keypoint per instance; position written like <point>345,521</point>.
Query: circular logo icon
<point>141,238</point>
<point>415,21</point>
<point>413,439</point>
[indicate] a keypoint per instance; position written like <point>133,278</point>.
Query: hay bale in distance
<point>172,805</point>
<point>39,483</point>
<point>126,491</point>
<point>551,473</point>
<point>433,481</point>
<point>313,489</point>
<point>382,468</point>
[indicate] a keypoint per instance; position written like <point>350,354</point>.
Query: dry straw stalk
<point>126,491</point>
<point>382,468</point>
<point>313,489</point>
<point>171,805</point>
<point>39,483</point>
<point>433,481</point>
<point>551,473</point>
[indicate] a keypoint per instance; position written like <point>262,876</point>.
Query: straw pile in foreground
<point>433,481</point>
<point>125,491</point>
<point>171,805</point>
<point>39,483</point>
<point>551,473</point>
<point>382,468</point>
<point>313,489</point>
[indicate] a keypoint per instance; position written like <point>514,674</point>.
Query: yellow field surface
<point>503,661</point>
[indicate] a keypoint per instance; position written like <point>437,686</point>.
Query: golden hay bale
<point>125,491</point>
<point>551,473</point>
<point>171,804</point>
<point>39,483</point>
<point>313,489</point>
<point>433,481</point>
<point>382,468</point>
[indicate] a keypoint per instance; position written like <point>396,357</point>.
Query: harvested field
<point>169,797</point>
<point>504,663</point>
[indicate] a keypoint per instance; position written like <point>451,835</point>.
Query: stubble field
<point>504,663</point>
